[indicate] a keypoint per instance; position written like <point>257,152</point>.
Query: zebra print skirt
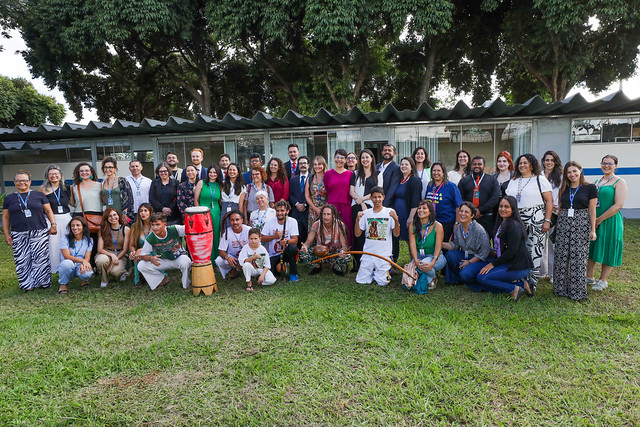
<point>31,255</point>
<point>533,219</point>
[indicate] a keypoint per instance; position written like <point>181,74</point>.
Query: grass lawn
<point>323,351</point>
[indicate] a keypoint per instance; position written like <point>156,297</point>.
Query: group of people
<point>498,232</point>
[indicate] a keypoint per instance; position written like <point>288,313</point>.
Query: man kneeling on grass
<point>282,243</point>
<point>231,243</point>
<point>167,244</point>
<point>255,261</point>
<point>377,223</point>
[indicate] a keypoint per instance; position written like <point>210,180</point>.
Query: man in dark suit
<point>391,176</point>
<point>291,166</point>
<point>196,160</point>
<point>483,191</point>
<point>299,206</point>
<point>254,160</point>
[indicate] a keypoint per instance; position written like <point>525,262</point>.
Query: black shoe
<point>314,271</point>
<point>339,273</point>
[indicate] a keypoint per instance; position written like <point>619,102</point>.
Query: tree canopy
<point>133,59</point>
<point>20,104</point>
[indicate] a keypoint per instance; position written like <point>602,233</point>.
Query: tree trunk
<point>425,86</point>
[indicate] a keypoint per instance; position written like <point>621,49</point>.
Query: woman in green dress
<point>607,248</point>
<point>208,193</point>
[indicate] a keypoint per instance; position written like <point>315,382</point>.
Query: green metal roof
<point>616,102</point>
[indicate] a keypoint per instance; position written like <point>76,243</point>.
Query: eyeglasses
<point>351,158</point>
<point>607,164</point>
<point>108,167</point>
<point>21,181</point>
<point>163,171</point>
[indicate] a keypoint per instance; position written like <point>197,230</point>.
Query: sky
<point>13,65</point>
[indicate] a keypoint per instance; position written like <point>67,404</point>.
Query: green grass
<point>324,351</point>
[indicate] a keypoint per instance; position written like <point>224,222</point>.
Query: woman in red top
<point>277,180</point>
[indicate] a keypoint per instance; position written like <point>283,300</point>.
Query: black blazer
<point>513,248</point>
<point>287,168</point>
<point>203,174</point>
<point>391,179</point>
<point>296,195</point>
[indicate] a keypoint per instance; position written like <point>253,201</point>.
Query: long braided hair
<point>335,220</point>
<point>226,217</point>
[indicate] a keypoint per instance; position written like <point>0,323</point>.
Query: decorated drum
<point>199,233</point>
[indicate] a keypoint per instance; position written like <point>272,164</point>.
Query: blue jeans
<point>467,275</point>
<point>422,285</point>
<point>67,270</point>
<point>500,279</point>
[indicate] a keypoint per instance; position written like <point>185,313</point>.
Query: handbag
<point>409,281</point>
<point>93,220</point>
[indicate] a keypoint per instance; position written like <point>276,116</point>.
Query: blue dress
<point>407,197</point>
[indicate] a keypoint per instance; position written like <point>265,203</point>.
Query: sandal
<point>165,281</point>
<point>63,289</point>
<point>249,288</point>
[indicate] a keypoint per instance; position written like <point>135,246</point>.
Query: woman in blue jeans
<point>470,249</point>
<point>425,246</point>
<point>508,271</point>
<point>75,248</point>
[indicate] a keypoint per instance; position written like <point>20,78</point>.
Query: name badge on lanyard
<point>110,201</point>
<point>27,213</point>
<point>421,252</point>
<point>60,209</point>
<point>570,212</point>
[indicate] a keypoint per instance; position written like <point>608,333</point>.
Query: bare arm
<point>621,197</point>
<point>6,227</point>
<point>196,193</point>
<point>548,210</point>
<point>592,218</point>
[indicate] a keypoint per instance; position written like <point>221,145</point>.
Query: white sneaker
<point>551,280</point>
<point>103,284</point>
<point>591,281</point>
<point>600,285</point>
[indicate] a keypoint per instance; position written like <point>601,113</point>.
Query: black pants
<point>290,255</point>
<point>487,222</point>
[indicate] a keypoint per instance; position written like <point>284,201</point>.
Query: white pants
<point>249,271</point>
<point>224,266</point>
<point>373,269</point>
<point>62,221</point>
<point>153,273</point>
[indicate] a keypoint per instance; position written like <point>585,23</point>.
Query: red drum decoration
<point>199,235</point>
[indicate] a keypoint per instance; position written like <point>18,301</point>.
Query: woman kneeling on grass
<point>139,232</point>
<point>113,245</point>
<point>469,251</point>
<point>328,236</point>
<point>75,248</point>
<point>425,244</point>
<point>508,271</point>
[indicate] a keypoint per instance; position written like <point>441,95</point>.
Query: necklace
<point>599,186</point>
<point>522,187</point>
<point>405,179</point>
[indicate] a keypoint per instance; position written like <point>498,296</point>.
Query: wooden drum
<point>199,235</point>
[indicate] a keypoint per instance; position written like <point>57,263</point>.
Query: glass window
<point>280,144</point>
<point>635,129</point>
<point>247,144</point>
<point>512,137</point>
<point>121,150</point>
<point>478,141</point>
<point>605,130</point>
<point>406,141</point>
<point>347,139</point>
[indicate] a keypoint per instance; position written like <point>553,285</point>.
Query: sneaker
<point>293,277</point>
<point>103,284</point>
<point>124,276</point>
<point>591,281</point>
<point>433,284</point>
<point>551,280</point>
<point>600,285</point>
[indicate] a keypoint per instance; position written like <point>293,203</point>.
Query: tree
<point>20,104</point>
<point>553,45</point>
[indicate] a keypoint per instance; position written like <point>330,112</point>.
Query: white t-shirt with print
<point>232,243</point>
<point>270,228</point>
<point>378,231</point>
<point>261,262</point>
<point>259,218</point>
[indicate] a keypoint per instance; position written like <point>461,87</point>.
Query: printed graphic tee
<point>378,230</point>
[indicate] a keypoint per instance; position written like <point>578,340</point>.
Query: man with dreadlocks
<point>327,236</point>
<point>231,243</point>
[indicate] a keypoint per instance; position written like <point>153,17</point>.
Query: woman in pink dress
<point>337,182</point>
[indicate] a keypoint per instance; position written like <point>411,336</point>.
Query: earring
<point>91,176</point>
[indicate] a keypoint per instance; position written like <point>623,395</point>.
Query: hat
<point>262,193</point>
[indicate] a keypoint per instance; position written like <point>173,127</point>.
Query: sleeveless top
<point>428,244</point>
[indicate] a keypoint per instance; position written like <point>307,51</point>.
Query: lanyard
<point>263,215</point>
<point>464,236</point>
<point>77,250</point>
<point>434,195</point>
<point>599,187</point>
<point>136,183</point>
<point>57,196</point>
<point>24,201</point>
<point>115,241</point>
<point>477,183</point>
<point>520,189</point>
<point>145,233</point>
<point>212,192</point>
<point>421,173</point>
<point>572,195</point>
<point>424,233</point>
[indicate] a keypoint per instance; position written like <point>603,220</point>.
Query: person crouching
<point>328,236</point>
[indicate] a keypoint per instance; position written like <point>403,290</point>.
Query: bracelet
<point>548,220</point>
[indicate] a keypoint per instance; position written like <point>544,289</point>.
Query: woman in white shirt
<point>463,167</point>
<point>535,205</point>
<point>233,192</point>
<point>423,168</point>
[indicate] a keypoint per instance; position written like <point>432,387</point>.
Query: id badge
<point>27,213</point>
<point>476,194</point>
<point>138,193</point>
<point>60,209</point>
<point>518,198</point>
<point>570,212</point>
<point>421,252</point>
<point>110,201</point>
<point>228,208</point>
<point>466,254</point>
<point>598,204</point>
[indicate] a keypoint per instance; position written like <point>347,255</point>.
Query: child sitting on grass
<point>255,261</point>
